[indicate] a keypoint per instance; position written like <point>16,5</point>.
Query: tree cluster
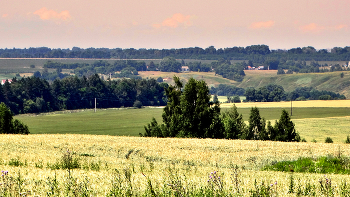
<point>8,125</point>
<point>189,113</point>
<point>227,90</point>
<point>228,70</point>
<point>35,95</point>
<point>275,93</point>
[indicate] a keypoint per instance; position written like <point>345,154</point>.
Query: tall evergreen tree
<point>285,130</point>
<point>256,129</point>
<point>233,123</point>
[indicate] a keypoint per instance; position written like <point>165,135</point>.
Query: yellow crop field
<point>309,103</point>
<point>147,164</point>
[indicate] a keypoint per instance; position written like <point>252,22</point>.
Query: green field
<point>310,122</point>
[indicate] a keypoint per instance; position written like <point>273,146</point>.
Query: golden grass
<point>338,128</point>
<point>309,103</point>
<point>195,158</point>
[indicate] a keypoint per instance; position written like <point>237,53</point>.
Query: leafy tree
<point>280,71</point>
<point>169,64</point>
<point>8,125</point>
<point>236,99</point>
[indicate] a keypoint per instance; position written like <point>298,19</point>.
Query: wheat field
<point>156,159</point>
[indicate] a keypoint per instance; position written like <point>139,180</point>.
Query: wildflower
<point>214,172</point>
<point>271,185</point>
<point>210,177</point>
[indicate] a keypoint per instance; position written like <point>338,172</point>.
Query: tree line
<point>35,95</point>
<point>255,53</point>
<point>190,113</point>
<point>275,93</point>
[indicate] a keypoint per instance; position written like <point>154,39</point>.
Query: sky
<point>166,24</point>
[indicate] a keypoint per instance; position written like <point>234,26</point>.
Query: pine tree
<point>233,123</point>
<point>285,130</point>
<point>256,129</point>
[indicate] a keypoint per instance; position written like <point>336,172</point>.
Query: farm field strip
<point>288,104</point>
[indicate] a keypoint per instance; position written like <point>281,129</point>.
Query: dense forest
<point>255,53</point>
<point>34,95</point>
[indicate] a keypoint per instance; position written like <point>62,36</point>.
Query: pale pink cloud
<point>339,27</point>
<point>312,27</point>
<point>262,24</point>
<point>175,21</point>
<point>5,15</point>
<point>46,14</point>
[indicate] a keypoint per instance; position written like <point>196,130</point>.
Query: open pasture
<point>111,163</point>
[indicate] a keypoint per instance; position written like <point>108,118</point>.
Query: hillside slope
<point>257,78</point>
<point>320,81</point>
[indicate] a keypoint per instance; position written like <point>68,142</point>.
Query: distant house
<point>4,81</point>
<point>261,68</point>
<point>185,69</point>
<point>251,68</point>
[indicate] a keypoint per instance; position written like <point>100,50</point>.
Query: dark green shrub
<point>347,141</point>
<point>138,104</point>
<point>328,140</point>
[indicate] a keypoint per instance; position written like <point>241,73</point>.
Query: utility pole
<point>95,105</point>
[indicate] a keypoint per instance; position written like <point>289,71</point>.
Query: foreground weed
<point>264,189</point>
<point>326,186</point>
<point>121,184</point>
<point>235,178</point>
<point>12,186</point>
<point>344,189</point>
<point>215,182</point>
<point>67,161</point>
<point>16,162</point>
<point>53,185</point>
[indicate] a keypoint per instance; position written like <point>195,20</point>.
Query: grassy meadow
<point>308,116</point>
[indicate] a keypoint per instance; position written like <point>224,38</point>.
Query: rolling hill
<point>330,81</point>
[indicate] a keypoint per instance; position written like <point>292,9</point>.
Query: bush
<point>138,104</point>
<point>347,141</point>
<point>328,140</point>
<point>303,140</point>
